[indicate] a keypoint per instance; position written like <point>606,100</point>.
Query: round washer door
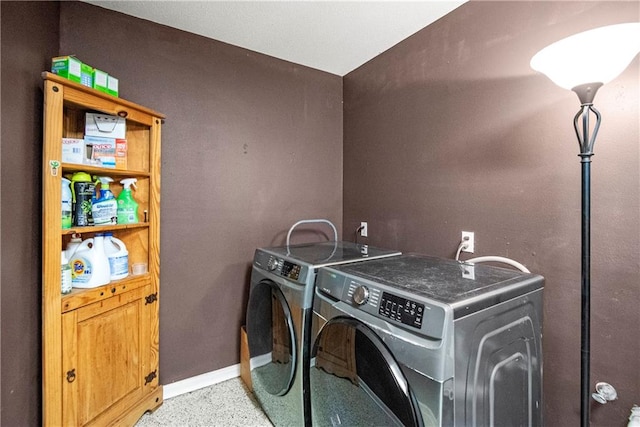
<point>271,337</point>
<point>356,381</point>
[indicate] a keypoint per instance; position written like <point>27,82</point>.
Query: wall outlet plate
<point>469,237</point>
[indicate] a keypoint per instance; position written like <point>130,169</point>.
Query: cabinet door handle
<point>71,375</point>
<point>123,113</point>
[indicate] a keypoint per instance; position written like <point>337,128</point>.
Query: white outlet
<point>468,237</point>
<point>364,229</point>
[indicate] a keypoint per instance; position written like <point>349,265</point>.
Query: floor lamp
<point>583,63</point>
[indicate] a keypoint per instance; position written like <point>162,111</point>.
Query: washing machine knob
<point>361,295</point>
<point>272,264</point>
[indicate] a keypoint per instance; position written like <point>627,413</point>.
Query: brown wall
<point>29,39</point>
<point>451,130</point>
<point>251,144</point>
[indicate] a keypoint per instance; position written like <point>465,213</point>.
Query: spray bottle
<point>127,206</point>
<point>67,203</point>
<point>105,207</point>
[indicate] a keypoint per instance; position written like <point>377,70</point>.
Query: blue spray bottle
<point>104,209</point>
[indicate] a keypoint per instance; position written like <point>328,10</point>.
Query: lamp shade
<point>594,56</point>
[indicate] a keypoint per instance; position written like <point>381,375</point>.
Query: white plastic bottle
<point>118,256</point>
<point>634,418</point>
<point>66,203</point>
<point>76,240</point>
<point>66,273</point>
<point>90,266</point>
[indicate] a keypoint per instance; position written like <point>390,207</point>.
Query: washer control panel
<point>394,305</point>
<point>401,309</point>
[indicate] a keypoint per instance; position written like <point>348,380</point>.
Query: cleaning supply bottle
<point>90,265</point>
<point>73,244</point>
<point>127,206</point>
<point>66,273</point>
<point>105,208</point>
<point>118,256</point>
<point>82,192</point>
<point>67,203</point>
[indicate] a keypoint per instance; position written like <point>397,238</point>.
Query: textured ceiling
<point>332,36</point>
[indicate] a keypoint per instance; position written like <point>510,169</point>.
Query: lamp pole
<point>586,93</point>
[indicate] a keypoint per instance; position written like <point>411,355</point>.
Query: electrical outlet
<point>468,237</point>
<point>364,229</point>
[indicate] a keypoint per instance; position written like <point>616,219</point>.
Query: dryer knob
<point>361,295</point>
<point>272,264</point>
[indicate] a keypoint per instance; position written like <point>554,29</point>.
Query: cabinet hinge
<point>150,377</point>
<point>151,298</point>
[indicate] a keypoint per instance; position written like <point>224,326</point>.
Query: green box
<point>68,67</point>
<point>86,75</point>
<point>100,80</point>
<point>112,85</point>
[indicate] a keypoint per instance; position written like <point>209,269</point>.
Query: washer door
<point>356,381</point>
<point>271,337</point>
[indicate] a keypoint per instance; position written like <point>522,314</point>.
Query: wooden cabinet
<point>100,346</point>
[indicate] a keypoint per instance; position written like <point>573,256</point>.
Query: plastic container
<point>90,264</point>
<point>67,203</point>
<point>118,256</point>
<point>127,206</point>
<point>73,244</point>
<point>634,418</point>
<point>104,209</point>
<point>82,191</point>
<point>66,273</point>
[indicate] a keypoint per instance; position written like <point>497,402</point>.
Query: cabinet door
<point>106,358</point>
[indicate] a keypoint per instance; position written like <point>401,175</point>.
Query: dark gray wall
<point>29,40</point>
<point>451,130</point>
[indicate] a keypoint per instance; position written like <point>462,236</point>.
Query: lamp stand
<point>586,93</point>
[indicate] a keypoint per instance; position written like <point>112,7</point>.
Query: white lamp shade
<point>594,56</point>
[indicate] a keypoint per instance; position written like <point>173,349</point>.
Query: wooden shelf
<point>103,228</point>
<point>97,170</point>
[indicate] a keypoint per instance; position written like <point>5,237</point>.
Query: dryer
<point>279,320</point>
<point>416,340</point>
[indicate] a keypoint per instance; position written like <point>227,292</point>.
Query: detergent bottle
<point>76,240</point>
<point>105,208</point>
<point>118,256</point>
<point>82,192</point>
<point>90,265</point>
<point>127,206</point>
<point>67,203</point>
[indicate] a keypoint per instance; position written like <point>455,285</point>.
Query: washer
<point>279,320</point>
<point>416,340</point>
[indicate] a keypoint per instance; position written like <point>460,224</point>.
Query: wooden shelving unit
<point>100,352</point>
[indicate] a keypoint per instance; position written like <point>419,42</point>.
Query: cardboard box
<point>112,86</point>
<point>68,67</point>
<point>105,126</point>
<point>121,153</point>
<point>86,75</point>
<point>108,152</point>
<point>103,150</point>
<point>73,150</point>
<point>100,80</point>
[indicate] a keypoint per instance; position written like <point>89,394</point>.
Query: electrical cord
<point>463,245</point>
<point>355,237</point>
<point>489,258</point>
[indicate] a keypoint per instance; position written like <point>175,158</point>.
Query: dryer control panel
<point>280,267</point>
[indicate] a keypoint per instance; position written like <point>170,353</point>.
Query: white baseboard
<point>200,381</point>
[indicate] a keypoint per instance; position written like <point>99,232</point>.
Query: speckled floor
<point>225,404</point>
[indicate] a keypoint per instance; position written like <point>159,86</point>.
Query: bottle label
<point>81,270</point>
<point>66,279</point>
<point>66,214</point>
<point>119,265</point>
